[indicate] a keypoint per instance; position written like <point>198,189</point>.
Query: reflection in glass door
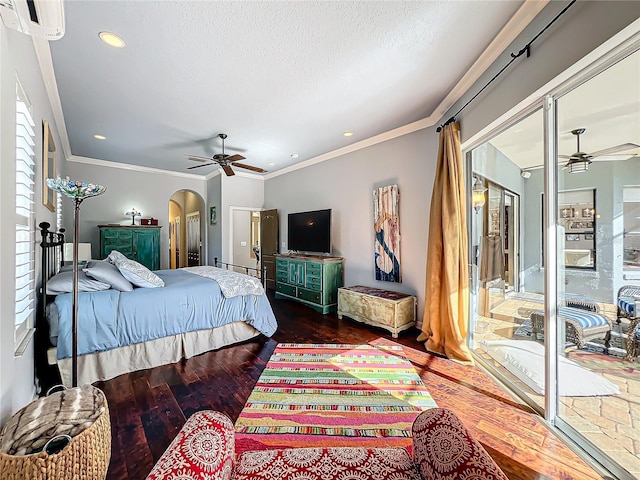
<point>566,334</point>
<point>597,403</point>
<point>506,256</point>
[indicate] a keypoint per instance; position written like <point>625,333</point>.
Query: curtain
<point>446,312</point>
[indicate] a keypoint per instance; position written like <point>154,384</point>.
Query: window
<point>25,244</point>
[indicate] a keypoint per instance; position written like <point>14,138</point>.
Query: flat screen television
<point>310,231</point>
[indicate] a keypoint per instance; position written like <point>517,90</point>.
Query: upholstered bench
<point>582,325</point>
<point>442,449</point>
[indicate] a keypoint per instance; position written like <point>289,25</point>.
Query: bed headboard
<point>52,245</point>
<point>52,250</point>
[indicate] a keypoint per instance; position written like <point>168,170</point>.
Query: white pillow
<point>138,274</point>
<point>107,273</point>
<point>114,256</point>
<point>63,283</point>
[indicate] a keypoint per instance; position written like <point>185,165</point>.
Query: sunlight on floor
<point>610,422</point>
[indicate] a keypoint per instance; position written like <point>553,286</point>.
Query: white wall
<point>237,191</point>
<point>345,185</point>
<point>148,192</point>
<point>17,59</point>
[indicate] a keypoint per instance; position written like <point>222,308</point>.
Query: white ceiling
<point>279,77</point>
<point>607,106</point>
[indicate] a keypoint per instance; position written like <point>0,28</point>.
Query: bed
<point>198,309</point>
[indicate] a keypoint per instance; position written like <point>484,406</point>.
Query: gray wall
<point>18,59</point>
<point>585,26</point>
<point>148,192</point>
<point>345,185</point>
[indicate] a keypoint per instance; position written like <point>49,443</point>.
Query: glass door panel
<point>506,255</point>
<point>598,130</point>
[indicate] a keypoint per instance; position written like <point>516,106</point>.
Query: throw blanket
<point>231,283</point>
<point>68,412</point>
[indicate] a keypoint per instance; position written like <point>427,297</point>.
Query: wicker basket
<point>86,457</point>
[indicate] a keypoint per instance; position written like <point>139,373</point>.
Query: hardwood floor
<point>149,407</point>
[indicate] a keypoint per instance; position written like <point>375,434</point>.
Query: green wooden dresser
<point>311,280</point>
<point>137,242</point>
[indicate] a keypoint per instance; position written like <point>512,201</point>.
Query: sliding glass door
<point>555,255</point>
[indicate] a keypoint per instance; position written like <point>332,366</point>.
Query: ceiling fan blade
<point>564,156</point>
<point>615,157</point>
<point>227,169</point>
<point>198,166</point>
<point>618,148</point>
<point>235,158</point>
<point>249,167</point>
<point>195,158</point>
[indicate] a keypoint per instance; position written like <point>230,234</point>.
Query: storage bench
<point>392,311</point>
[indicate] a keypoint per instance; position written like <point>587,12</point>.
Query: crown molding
<point>514,27</point>
<point>43,54</point>
<point>128,166</point>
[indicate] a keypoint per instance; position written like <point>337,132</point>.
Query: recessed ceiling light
<point>100,137</point>
<point>271,164</point>
<point>111,39</point>
<point>347,134</point>
<point>294,155</point>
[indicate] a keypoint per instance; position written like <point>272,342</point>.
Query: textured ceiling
<point>278,77</point>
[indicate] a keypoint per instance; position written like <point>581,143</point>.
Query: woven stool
<point>64,436</point>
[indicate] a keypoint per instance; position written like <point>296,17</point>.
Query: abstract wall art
<point>387,233</point>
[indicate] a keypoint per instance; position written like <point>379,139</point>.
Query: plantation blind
<point>25,244</point>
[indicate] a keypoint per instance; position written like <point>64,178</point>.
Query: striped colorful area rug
<point>333,395</point>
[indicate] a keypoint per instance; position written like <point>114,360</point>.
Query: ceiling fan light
<point>578,167</point>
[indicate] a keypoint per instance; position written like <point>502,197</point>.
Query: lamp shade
<point>84,252</point>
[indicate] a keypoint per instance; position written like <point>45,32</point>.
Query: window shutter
<point>25,243</point>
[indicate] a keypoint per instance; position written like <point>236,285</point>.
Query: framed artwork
<point>386,234</point>
<point>588,236</point>
<point>213,216</point>
<point>572,237</point>
<point>48,167</point>
<point>587,213</point>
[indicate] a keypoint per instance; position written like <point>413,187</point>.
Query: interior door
<point>269,239</point>
<point>193,239</point>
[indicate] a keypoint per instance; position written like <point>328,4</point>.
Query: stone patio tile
<point>590,404</point>
<point>628,431</point>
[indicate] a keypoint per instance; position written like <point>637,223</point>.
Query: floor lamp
<point>76,191</point>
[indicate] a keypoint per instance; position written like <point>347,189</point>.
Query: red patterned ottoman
<point>443,449</point>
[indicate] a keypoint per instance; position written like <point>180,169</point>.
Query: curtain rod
<point>526,49</point>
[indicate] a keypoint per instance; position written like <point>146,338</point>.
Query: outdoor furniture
<point>581,325</point>
<point>628,303</point>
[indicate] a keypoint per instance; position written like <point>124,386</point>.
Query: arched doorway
<point>186,229</point>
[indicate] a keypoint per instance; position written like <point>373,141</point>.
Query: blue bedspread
<point>188,302</point>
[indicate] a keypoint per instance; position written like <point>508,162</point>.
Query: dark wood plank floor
<point>149,407</point>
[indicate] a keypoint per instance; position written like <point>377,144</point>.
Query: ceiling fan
<point>579,161</point>
<point>224,160</point>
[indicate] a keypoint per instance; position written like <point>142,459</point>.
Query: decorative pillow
<point>138,274</point>
<point>114,256</point>
<point>63,283</point>
<point>107,273</point>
